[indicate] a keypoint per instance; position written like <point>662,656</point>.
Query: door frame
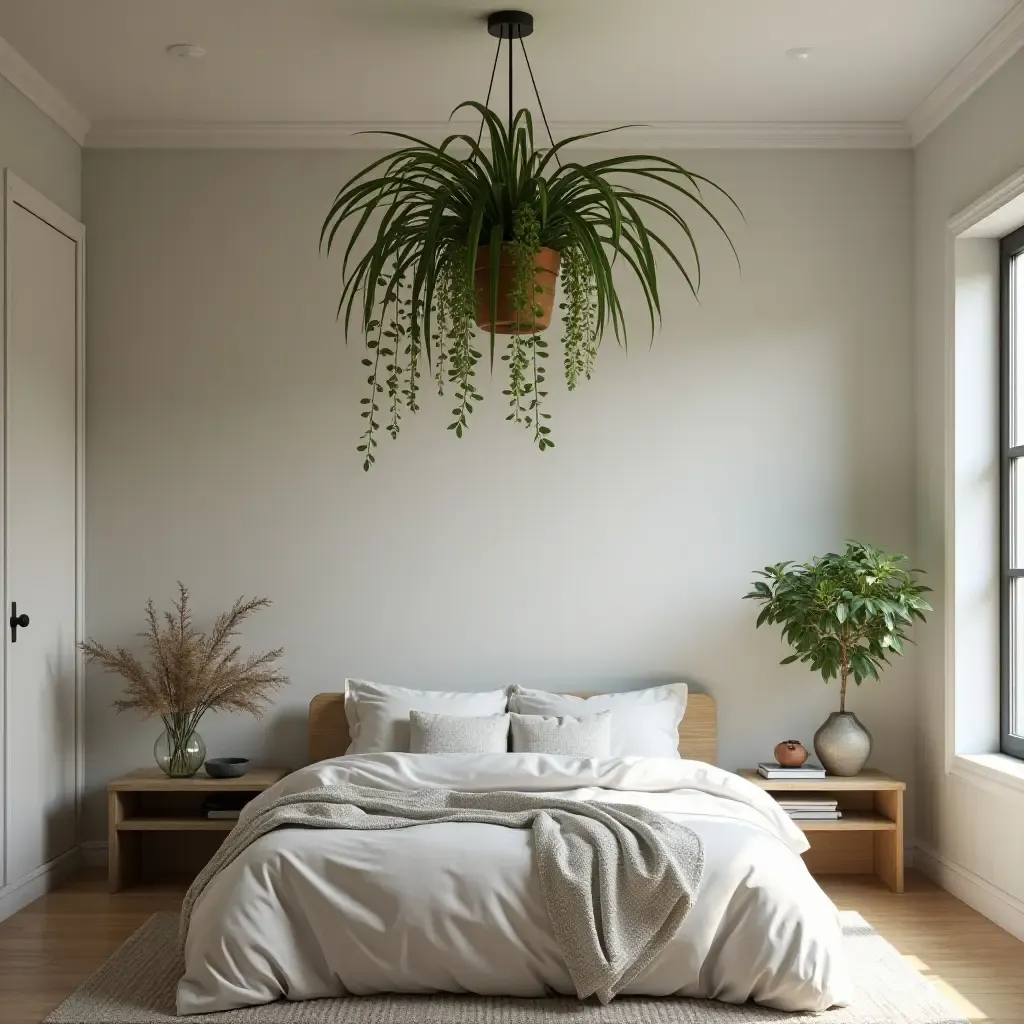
<point>19,193</point>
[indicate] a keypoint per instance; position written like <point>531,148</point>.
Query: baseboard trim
<point>39,882</point>
<point>994,903</point>
<point>94,853</point>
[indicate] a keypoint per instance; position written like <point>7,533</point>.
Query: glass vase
<point>179,750</point>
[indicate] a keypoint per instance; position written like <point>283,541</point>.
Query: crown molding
<point>966,223</point>
<point>346,135</point>
<point>46,97</point>
<point>1001,43</point>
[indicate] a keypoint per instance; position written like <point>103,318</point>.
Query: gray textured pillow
<point>586,736</point>
<point>430,733</point>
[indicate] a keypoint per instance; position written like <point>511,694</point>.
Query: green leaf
<point>833,618</point>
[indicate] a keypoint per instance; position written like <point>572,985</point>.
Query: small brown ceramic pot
<point>790,753</point>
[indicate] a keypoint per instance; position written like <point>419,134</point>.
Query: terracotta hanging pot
<point>504,317</point>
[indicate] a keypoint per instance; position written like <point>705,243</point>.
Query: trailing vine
<point>579,336</point>
<point>523,249</point>
<point>527,349</point>
<point>369,441</point>
<point>462,356</point>
<point>441,320</point>
<point>518,386</point>
<point>541,432</point>
<point>412,350</point>
<point>395,336</point>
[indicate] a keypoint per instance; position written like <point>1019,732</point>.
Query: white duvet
<point>457,907</point>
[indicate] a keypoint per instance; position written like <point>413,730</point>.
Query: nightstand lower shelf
<point>851,821</point>
<point>169,824</point>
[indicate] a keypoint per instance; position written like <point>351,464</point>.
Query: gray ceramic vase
<point>842,744</point>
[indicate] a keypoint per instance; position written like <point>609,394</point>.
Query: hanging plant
<point>468,239</point>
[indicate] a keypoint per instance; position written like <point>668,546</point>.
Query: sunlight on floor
<point>916,962</point>
<point>955,998</point>
<point>977,967</point>
<point>949,991</point>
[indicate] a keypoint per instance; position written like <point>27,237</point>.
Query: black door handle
<point>16,621</point>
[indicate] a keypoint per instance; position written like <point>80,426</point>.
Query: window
<point>1011,258</point>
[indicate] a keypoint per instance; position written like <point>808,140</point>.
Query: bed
<point>455,907</point>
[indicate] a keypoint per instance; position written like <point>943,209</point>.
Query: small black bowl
<point>227,767</point>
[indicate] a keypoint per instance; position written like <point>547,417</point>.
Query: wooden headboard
<point>328,727</point>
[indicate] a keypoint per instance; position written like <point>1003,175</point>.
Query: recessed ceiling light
<point>186,50</point>
<point>799,53</point>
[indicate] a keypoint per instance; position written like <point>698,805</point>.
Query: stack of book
<point>225,806</point>
<point>810,808</point>
<point>773,770</point>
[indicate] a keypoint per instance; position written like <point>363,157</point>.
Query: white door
<point>41,486</point>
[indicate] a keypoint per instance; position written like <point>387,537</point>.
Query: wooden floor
<point>54,944</point>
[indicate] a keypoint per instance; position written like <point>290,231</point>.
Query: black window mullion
<point>1010,686</point>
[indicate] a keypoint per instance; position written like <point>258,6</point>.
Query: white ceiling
<point>410,61</point>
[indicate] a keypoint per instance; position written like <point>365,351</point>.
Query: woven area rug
<point>136,986</point>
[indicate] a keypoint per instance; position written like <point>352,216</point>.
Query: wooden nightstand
<point>155,826</point>
<point>868,839</point>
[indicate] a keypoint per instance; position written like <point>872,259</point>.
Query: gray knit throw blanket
<point>617,880</point>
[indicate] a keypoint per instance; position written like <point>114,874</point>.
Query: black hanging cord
<point>510,87</point>
<point>540,102</point>
<point>490,87</point>
<point>512,33</point>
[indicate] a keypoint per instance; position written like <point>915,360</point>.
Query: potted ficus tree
<point>460,238</point>
<point>843,614</point>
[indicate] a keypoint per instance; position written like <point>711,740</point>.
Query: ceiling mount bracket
<point>510,24</point>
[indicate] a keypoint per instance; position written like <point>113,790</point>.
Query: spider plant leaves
<point>494,282</point>
<point>416,218</point>
<point>552,153</point>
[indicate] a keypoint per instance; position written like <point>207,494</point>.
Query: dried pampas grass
<point>191,672</point>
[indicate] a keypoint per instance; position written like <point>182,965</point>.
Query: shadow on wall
<point>286,738</point>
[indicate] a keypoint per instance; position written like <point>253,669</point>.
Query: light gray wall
<point>39,152</point>
<point>971,830</point>
<point>771,421</point>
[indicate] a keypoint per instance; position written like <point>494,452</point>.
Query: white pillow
<point>457,734</point>
<point>586,736</point>
<point>644,722</point>
<point>378,715</point>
